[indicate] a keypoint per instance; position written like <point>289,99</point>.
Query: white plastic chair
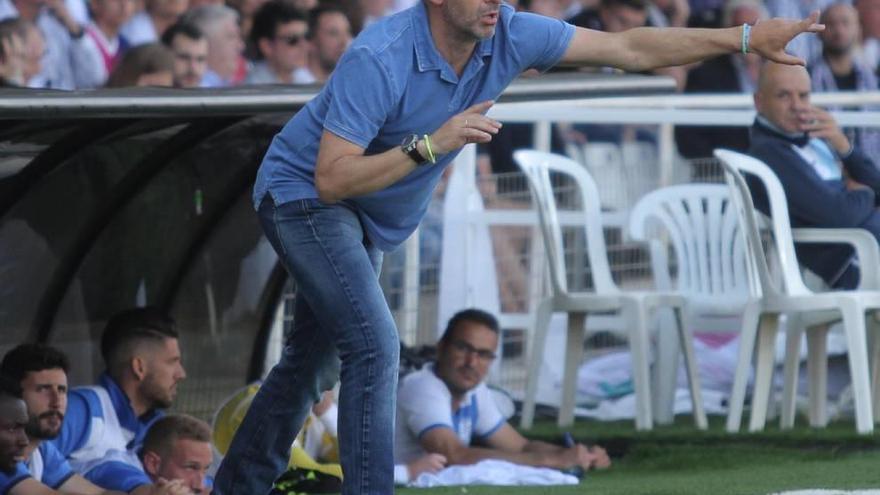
<point>790,295</point>
<point>701,226</point>
<point>606,296</point>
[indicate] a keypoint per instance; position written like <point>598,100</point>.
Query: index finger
<point>811,23</point>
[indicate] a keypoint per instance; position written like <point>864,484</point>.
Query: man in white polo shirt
<point>446,408</point>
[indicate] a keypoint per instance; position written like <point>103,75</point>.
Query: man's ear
<point>139,367</point>
<point>152,463</point>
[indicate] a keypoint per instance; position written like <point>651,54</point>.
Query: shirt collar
<point>427,56</point>
<point>124,411</point>
<point>798,138</point>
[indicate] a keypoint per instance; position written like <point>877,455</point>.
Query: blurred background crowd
<point>83,44</point>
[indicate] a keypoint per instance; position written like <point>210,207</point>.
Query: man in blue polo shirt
<point>141,352</point>
<point>351,176</point>
<point>41,372</point>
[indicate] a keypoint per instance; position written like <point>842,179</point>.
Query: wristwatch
<point>411,148</point>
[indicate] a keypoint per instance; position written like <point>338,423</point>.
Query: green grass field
<point>679,460</point>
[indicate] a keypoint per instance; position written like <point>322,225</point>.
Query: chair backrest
<point>702,226</point>
<point>783,255</point>
<point>537,166</point>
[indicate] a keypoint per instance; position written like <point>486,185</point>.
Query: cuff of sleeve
<point>401,474</point>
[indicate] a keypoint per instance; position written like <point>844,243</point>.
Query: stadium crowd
<point>79,44</point>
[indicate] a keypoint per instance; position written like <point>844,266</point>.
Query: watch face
<point>410,140</point>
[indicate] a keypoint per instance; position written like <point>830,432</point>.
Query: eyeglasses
<point>291,40</point>
<point>463,347</point>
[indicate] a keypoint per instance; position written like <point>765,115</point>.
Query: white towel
<point>494,472</point>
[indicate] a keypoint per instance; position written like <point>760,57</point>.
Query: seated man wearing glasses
<point>445,408</point>
<point>279,39</point>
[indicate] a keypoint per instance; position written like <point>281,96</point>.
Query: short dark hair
<point>272,14</point>
<point>164,432</point>
<point>183,28</point>
<point>316,13</point>
<point>633,4</point>
<point>473,315</point>
<point>27,358</point>
<point>126,329</point>
<point>9,388</point>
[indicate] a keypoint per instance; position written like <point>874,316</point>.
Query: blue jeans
<point>340,308</point>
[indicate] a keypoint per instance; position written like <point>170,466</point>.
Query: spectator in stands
<point>190,49</point>
<point>805,47</point>
<point>148,25</point>
<point>840,69</point>
<point>58,27</point>
<point>41,372</point>
<point>613,16</point>
<point>869,21</point>
<point>225,45</point>
<point>828,182</point>
<point>330,34</point>
<point>370,11</point>
<point>34,47</point>
<point>12,53</point>
<point>668,13</point>
<point>732,73</point>
<point>97,53</point>
<point>151,64</point>
<point>446,407</point>
<point>143,367</point>
<point>280,36</point>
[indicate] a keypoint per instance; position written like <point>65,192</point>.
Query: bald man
<point>827,181</point>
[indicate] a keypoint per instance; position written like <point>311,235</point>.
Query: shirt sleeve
<point>117,475</point>
<point>424,406</point>
<point>362,94</point>
<point>9,480</point>
<point>489,418</point>
<point>82,404</point>
<point>56,469</point>
<point>540,41</point>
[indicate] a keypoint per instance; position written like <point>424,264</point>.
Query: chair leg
<point>574,354</point>
<point>639,343</point>
<point>543,313</point>
<point>693,372</point>
<point>665,368</point>
<point>874,339</point>
<point>854,326</point>
<point>793,332</point>
<point>750,320</point>
<point>817,370</point>
<point>763,370</point>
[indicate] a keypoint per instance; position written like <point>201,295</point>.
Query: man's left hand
<point>769,38</point>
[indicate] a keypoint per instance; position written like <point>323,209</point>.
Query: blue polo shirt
<point>86,432</point>
<point>390,83</point>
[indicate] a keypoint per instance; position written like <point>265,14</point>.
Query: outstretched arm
<point>642,49</point>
